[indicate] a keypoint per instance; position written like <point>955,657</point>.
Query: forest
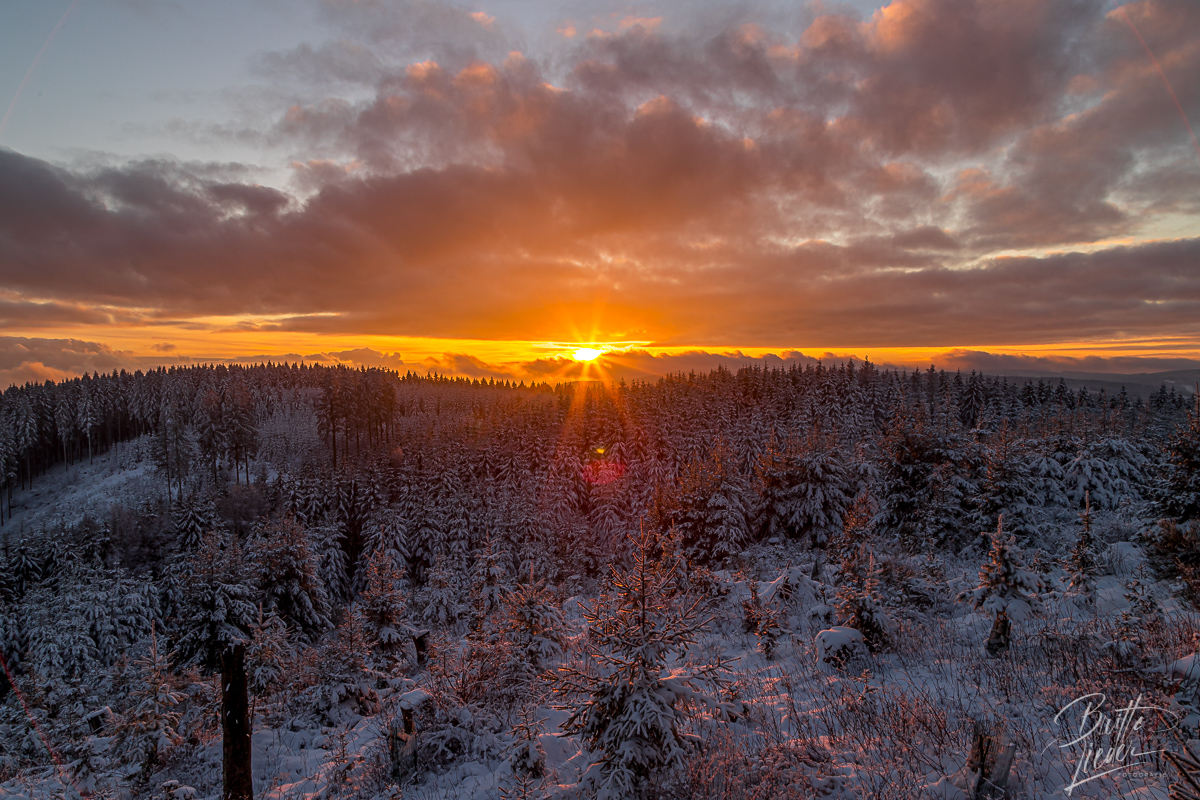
<point>286,581</point>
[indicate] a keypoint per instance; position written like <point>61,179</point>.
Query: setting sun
<point>586,354</point>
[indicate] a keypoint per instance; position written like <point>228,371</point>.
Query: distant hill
<point>1139,384</point>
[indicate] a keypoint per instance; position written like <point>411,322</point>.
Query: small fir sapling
<point>630,710</point>
<point>1081,561</point>
<point>859,601</point>
<point>1007,590</point>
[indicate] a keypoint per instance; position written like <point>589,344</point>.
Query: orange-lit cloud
<point>1000,177</point>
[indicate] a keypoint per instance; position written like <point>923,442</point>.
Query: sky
<point>503,188</point>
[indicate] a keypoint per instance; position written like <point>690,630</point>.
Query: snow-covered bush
<point>842,648</point>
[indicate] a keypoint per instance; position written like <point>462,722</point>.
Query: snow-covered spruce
<point>1007,590</point>
<point>630,712</point>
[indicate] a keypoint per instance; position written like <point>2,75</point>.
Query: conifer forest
<point>831,581</point>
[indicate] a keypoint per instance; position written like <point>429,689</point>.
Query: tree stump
<point>990,760</point>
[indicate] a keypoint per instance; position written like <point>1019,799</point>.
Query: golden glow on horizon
<point>226,338</point>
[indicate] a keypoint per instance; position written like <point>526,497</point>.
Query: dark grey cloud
<point>849,181</point>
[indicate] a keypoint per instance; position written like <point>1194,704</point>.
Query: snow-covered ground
<point>64,495</point>
<point>870,666</point>
<point>894,724</point>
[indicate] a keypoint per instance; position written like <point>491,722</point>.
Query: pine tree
<point>286,574</point>
<point>1081,561</point>
<point>1007,590</point>
<point>633,707</point>
<point>860,602</point>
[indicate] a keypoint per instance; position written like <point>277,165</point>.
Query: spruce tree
<point>1179,494</point>
<point>149,731</point>
<point>267,653</point>
<point>527,761</point>
<point>630,711</point>
<point>1007,590</point>
<point>708,507</point>
<point>193,518</point>
<point>805,490</point>
<point>859,601</point>
<point>216,592</point>
<point>533,623</point>
<point>286,573</point>
<point>1081,561</point>
<point>217,599</point>
<point>441,595</point>
<point>384,608</point>
<point>487,580</point>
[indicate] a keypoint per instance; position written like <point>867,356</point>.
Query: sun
<point>587,354</point>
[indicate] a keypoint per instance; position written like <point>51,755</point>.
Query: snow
<point>796,704</point>
<point>64,495</point>
<point>840,648</point>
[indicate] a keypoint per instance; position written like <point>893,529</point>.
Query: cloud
<point>31,359</point>
<point>861,182</point>
<point>366,357</point>
<point>1024,364</point>
<point>36,360</point>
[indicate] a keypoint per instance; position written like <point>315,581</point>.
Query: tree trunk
<point>235,725</point>
<point>1001,636</point>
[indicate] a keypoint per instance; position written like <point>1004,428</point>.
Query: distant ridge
<point>1137,384</point>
